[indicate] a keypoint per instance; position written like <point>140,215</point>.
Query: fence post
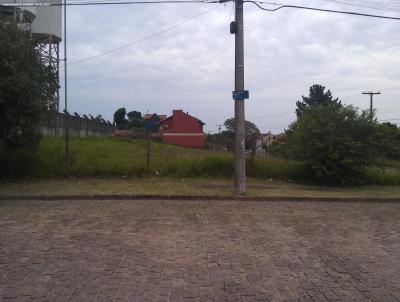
<point>55,122</point>
<point>148,151</point>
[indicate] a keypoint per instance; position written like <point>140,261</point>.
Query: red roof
<point>148,116</point>
<point>163,118</point>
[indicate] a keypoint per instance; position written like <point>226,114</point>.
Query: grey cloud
<point>191,67</point>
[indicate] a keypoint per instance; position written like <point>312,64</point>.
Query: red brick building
<point>182,129</point>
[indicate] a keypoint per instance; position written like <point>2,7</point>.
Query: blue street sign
<point>240,95</point>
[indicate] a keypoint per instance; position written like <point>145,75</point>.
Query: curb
<point>195,198</point>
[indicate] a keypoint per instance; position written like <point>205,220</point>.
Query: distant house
<point>259,150</point>
<point>269,138</point>
<point>151,121</point>
<point>182,129</point>
<point>148,116</point>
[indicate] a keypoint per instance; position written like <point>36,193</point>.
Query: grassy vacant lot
<point>105,157</point>
<point>120,159</point>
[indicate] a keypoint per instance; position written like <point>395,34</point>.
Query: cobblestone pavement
<point>199,251</point>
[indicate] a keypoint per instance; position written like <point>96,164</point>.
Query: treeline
<point>132,120</point>
<point>224,140</point>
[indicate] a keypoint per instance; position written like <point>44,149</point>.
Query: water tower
<point>24,16</point>
<point>47,30</point>
<point>44,22</point>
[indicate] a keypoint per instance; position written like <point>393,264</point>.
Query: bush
<point>17,164</point>
<point>386,140</point>
<point>379,176</point>
<point>333,142</point>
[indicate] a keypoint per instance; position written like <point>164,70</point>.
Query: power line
<point>321,10</point>
<point>88,3</point>
<point>271,115</point>
<point>143,39</point>
<point>363,5</point>
<point>371,3</point>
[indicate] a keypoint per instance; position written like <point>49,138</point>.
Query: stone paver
<point>199,251</point>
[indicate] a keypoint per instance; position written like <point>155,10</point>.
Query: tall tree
<point>135,120</point>
<point>333,142</point>
<point>251,131</point>
<point>317,97</point>
<point>27,89</point>
<point>386,140</point>
<point>134,115</point>
<point>119,119</point>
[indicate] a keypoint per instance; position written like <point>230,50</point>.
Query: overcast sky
<point>191,67</point>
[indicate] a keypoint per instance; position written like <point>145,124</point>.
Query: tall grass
<point>102,157</point>
<point>276,168</point>
<point>382,176</point>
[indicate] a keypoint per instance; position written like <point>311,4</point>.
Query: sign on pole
<point>240,95</point>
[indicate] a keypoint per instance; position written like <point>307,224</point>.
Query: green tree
<point>317,97</point>
<point>27,89</point>
<point>119,119</point>
<point>135,120</point>
<point>333,141</point>
<point>251,131</point>
<point>386,140</point>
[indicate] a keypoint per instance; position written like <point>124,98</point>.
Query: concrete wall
<point>78,126</point>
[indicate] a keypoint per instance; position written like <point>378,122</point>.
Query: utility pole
<point>66,116</point>
<point>219,137</point>
<point>239,95</point>
<point>371,96</point>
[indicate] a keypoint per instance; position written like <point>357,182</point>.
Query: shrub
<point>333,142</point>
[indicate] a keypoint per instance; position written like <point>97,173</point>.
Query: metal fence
<point>81,126</point>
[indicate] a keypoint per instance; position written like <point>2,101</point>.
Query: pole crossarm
<point>371,97</point>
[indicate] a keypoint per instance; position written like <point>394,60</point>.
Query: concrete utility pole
<point>219,137</point>
<point>240,156</point>
<point>66,116</point>
<point>371,95</point>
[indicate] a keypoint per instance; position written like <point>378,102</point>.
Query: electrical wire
<point>143,39</point>
<point>272,115</point>
<point>321,10</point>
<point>87,3</point>
<point>382,8</point>
<point>372,3</point>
